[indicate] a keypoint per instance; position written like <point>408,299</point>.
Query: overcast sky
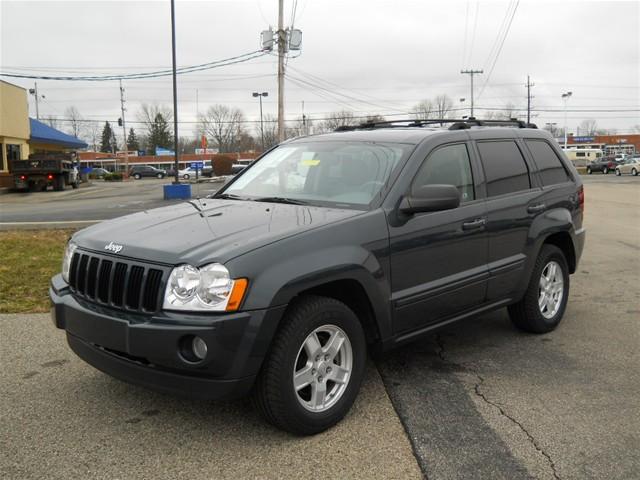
<point>384,56</point>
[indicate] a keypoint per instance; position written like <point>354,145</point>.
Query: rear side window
<point>552,171</point>
<point>448,165</point>
<point>504,167</point>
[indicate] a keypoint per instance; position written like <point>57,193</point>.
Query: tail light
<point>50,177</point>
<point>23,177</point>
<point>581,198</point>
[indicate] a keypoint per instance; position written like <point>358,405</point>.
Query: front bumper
<point>146,349</point>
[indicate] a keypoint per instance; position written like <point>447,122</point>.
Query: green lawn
<point>28,259</point>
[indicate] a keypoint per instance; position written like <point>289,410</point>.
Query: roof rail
<point>456,124</point>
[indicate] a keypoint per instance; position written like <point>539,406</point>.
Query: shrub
<point>113,177</point>
<point>221,164</point>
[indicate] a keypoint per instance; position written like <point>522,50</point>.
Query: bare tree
<point>93,132</point>
<point>442,105</point>
<point>224,125</point>
<point>343,118</point>
<point>270,129</point>
<point>148,115</point>
<point>75,125</point>
<point>51,121</point>
<point>510,111</point>
<point>424,109</point>
<point>589,127</point>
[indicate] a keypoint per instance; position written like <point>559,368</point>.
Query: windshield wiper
<point>229,196</point>
<point>290,201</point>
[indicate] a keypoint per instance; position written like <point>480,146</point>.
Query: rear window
<point>504,167</point>
<point>551,169</point>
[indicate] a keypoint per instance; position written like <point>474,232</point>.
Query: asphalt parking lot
<point>478,400</point>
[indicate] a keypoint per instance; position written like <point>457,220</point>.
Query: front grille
<point>124,284</point>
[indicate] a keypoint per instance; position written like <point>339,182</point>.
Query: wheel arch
<point>563,241</point>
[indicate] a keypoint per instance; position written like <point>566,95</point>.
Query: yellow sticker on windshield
<point>310,163</point>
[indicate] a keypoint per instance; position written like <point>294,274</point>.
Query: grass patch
<point>28,259</point>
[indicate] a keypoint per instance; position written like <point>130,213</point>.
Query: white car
<point>631,165</point>
<point>187,173</point>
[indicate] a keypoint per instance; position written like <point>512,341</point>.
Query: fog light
<point>199,348</point>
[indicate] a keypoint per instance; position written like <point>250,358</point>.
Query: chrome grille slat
<point>122,284</point>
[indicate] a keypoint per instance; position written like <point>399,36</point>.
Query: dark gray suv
<point>326,247</point>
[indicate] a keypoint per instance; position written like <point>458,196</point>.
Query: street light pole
<point>260,95</point>
<point>565,98</point>
<point>175,90</point>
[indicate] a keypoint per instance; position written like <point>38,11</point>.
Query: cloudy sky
<point>367,56</point>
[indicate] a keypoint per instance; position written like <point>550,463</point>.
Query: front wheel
<point>313,372</point>
<point>589,170</point>
<point>160,175</point>
<point>634,172</point>
<point>618,172</point>
<point>186,176</point>
<point>545,300</point>
<point>605,170</point>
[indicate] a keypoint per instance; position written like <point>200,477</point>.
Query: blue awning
<point>46,134</point>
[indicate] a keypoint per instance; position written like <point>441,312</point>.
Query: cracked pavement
<point>483,400</point>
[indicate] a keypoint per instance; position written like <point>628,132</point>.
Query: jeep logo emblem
<point>113,247</point>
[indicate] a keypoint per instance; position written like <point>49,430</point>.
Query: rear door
<point>513,200</point>
<point>438,259</point>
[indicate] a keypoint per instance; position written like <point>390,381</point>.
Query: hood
<point>204,231</point>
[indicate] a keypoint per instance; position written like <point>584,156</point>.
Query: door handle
<point>536,208</point>
<point>477,223</point>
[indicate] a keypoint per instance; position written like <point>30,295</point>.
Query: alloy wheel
<point>322,369</point>
<point>551,290</point>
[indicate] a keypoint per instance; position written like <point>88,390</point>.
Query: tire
<point>527,314</point>
<point>75,184</point>
<point>137,176</point>
<point>605,170</point>
<point>634,172</point>
<point>186,176</point>
<point>160,176</point>
<point>618,172</point>
<point>274,393</point>
<point>589,170</point>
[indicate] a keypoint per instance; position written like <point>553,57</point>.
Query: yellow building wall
<point>37,147</point>
<point>14,111</point>
<point>14,124</point>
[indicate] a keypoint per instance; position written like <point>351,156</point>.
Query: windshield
<point>333,173</point>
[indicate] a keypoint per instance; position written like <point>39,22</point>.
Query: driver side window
<point>448,165</point>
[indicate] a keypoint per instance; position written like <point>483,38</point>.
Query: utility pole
<point>124,133</point>
<point>34,91</point>
<point>471,73</point>
<point>281,48</point>
<point>565,98</point>
<point>529,97</point>
<point>304,121</point>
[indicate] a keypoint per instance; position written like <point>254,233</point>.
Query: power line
<point>499,49</point>
<point>135,76</point>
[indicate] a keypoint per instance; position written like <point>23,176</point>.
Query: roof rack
<point>456,124</point>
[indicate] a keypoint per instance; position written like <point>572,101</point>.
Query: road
<point>478,400</point>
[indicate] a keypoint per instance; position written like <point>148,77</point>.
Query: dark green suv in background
<point>324,248</point>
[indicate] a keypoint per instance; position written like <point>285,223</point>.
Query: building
<point>21,136</point>
<point>14,128</point>
<point>609,144</point>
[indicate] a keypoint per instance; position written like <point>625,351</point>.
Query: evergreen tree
<point>159,135</point>
<point>107,138</point>
<point>132,141</point>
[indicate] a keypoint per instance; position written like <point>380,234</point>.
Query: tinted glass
<point>551,169</point>
<point>504,167</point>
<point>330,173</point>
<point>448,165</point>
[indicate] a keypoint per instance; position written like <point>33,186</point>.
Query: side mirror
<point>431,198</point>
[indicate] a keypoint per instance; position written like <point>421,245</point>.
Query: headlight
<point>66,260</point>
<point>209,288</point>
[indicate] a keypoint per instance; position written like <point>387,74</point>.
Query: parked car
<point>140,171</point>
<point>604,165</point>
<point>327,247</point>
<point>630,165</point>
<point>99,172</point>
<point>239,166</point>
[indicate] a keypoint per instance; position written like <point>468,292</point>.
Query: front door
<point>439,259</point>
